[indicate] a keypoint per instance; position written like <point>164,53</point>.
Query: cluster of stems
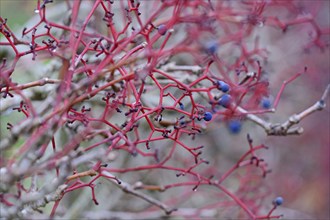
<point>129,89</point>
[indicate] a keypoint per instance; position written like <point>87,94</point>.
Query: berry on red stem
<point>162,29</point>
<point>208,116</point>
<point>225,100</point>
<point>222,86</point>
<point>278,201</point>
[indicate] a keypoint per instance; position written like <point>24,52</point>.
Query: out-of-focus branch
<point>82,174</point>
<point>170,67</point>
<point>275,129</point>
<point>157,214</point>
<point>30,202</point>
<point>52,197</point>
<point>50,192</point>
<point>40,82</point>
<point>286,128</point>
<point>127,188</point>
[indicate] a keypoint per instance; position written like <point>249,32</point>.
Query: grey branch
<point>170,67</point>
<point>52,197</point>
<point>30,202</point>
<point>157,214</point>
<point>286,127</point>
<point>127,188</point>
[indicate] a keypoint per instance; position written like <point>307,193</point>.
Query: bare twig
<point>278,129</point>
<point>127,188</point>
<point>82,174</point>
<point>157,214</point>
<point>40,82</point>
<point>30,202</point>
<point>170,67</point>
<point>52,197</point>
<point>286,127</point>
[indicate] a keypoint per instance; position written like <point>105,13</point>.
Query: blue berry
<point>208,116</point>
<point>278,201</point>
<point>225,100</point>
<point>224,87</point>
<point>235,126</point>
<point>181,106</point>
<point>162,29</point>
<point>211,47</point>
<point>182,122</point>
<point>266,103</point>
